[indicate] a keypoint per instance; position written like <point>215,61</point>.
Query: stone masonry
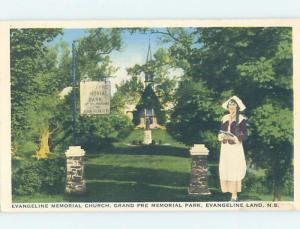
<point>198,181</point>
<point>75,170</point>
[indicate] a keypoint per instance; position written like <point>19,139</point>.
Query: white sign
<point>94,97</point>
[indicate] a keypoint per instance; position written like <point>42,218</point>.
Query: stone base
<point>147,137</point>
<point>76,188</point>
<point>198,190</point>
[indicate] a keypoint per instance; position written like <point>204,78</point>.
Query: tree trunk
<point>44,149</point>
<point>277,185</point>
<point>277,194</point>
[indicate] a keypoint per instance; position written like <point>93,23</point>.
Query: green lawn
<point>125,173</point>
<point>157,135</point>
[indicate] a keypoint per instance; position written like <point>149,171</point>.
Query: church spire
<point>149,53</point>
<point>149,74</point>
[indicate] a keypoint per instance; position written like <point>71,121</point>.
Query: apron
<point>232,166</point>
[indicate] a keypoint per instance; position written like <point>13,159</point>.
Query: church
<point>149,111</point>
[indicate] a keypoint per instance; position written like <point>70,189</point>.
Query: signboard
<point>94,97</point>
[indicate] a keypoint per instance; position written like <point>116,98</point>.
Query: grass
<point>125,173</point>
<point>157,135</point>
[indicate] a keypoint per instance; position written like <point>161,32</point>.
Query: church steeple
<point>149,53</point>
<point>149,73</point>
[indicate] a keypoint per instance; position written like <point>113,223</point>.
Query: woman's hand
<point>221,137</point>
<point>235,139</point>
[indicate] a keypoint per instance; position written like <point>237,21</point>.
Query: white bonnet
<point>237,100</point>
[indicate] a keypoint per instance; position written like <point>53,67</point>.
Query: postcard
<point>149,115</point>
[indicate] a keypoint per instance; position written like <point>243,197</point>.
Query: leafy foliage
<point>33,176</point>
<point>194,103</point>
<point>28,78</point>
<point>93,53</point>
<point>128,93</point>
<point>100,131</point>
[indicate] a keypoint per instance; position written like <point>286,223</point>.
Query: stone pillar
<point>198,181</point>
<point>75,170</point>
<point>147,137</point>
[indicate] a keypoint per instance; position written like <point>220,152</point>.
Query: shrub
<point>123,133</point>
<point>26,179</point>
<point>53,172</point>
<point>33,176</point>
<point>153,142</point>
<point>256,182</point>
<point>95,131</point>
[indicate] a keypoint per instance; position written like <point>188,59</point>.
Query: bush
<point>53,172</point>
<point>95,131</point>
<point>33,176</point>
<point>159,142</point>
<point>256,182</point>
<point>153,142</point>
<point>123,133</point>
<point>26,179</point>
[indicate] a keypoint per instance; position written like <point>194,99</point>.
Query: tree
<point>273,127</point>
<point>93,51</point>
<point>128,92</point>
<point>28,81</point>
<point>196,115</point>
<point>97,131</point>
<point>42,122</point>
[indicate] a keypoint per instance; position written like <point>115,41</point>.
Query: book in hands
<point>226,133</point>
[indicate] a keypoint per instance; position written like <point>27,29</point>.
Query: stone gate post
<point>75,170</point>
<point>199,172</point>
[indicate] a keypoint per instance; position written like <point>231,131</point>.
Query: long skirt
<point>232,167</point>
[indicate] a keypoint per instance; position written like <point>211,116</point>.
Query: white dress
<point>232,165</point>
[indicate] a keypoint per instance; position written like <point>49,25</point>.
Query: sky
<point>134,50</point>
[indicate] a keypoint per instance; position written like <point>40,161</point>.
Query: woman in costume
<point>232,165</point>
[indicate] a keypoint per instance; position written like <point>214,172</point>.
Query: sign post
<point>94,100</point>
<point>73,76</point>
